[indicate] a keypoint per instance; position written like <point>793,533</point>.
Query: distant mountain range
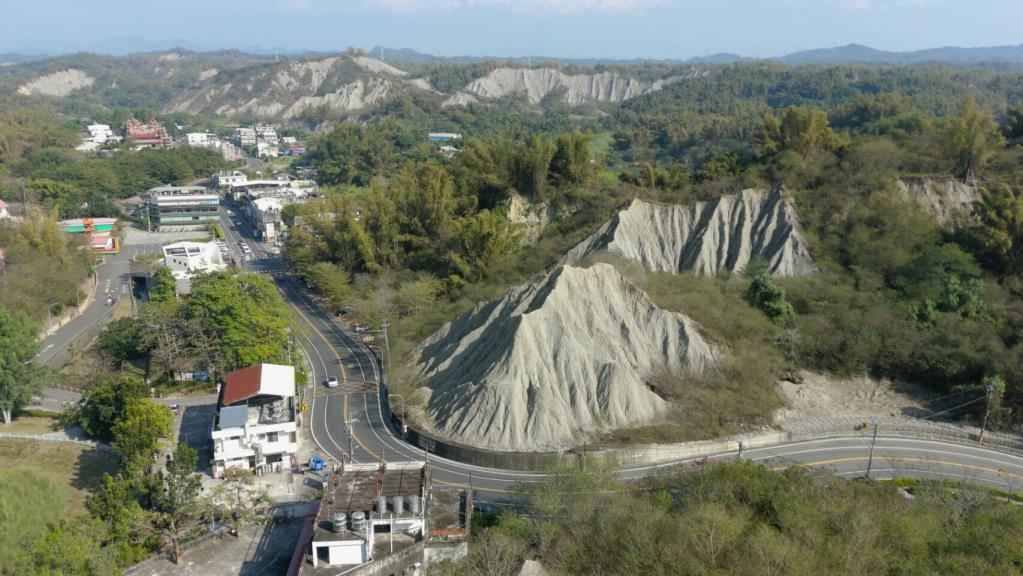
<point>848,54</point>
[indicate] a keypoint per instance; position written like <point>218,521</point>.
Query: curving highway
<point>331,349</point>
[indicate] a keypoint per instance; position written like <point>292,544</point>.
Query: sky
<point>661,29</point>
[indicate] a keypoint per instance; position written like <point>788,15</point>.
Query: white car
<point>332,382</point>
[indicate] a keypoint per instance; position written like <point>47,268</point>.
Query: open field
<point>41,482</point>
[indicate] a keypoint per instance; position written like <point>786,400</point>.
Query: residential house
<point>186,259</point>
<point>256,426</point>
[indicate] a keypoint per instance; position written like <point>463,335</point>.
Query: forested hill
<point>316,91</point>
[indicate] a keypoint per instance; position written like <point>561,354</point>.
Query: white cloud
<point>557,6</point>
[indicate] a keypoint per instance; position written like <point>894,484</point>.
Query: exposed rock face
<point>341,83</point>
<point>949,201</point>
<point>58,83</point>
<point>538,83</point>
<point>531,218</point>
<point>555,359</point>
<point>706,238</point>
<point>376,66</point>
<point>358,95</point>
<point>460,99</point>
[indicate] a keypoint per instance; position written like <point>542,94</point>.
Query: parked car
<point>332,382</point>
<point>360,328</point>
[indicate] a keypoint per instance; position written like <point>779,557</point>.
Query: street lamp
<point>404,428</point>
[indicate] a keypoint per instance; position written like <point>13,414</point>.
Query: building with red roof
<point>257,420</point>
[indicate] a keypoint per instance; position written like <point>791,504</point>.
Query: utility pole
<point>870,460</point>
<point>387,348</point>
<point>990,390</point>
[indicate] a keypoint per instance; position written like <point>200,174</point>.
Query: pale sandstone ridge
<point>555,360</point>
<point>538,83</point>
<point>706,238</point>
<point>949,200</point>
<point>377,66</point>
<point>530,218</point>
<point>57,84</point>
<point>362,93</point>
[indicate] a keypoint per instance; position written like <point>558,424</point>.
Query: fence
<point>57,438</point>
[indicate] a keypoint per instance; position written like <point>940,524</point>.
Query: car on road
<point>332,382</point>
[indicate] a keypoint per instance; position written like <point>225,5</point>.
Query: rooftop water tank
<point>358,520</point>
<point>398,503</point>
<point>380,505</point>
<point>338,521</point>
<point>414,504</point>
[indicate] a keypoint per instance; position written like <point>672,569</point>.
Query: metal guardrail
<point>48,438</point>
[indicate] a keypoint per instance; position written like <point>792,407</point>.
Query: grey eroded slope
<point>554,360</point>
<point>706,238</point>
<point>949,201</point>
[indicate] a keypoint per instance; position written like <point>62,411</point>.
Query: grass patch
<point>738,397</point>
<point>41,482</point>
<point>37,423</point>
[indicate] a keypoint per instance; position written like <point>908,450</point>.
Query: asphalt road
<point>331,349</point>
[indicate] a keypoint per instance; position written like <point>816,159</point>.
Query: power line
<point>974,401</point>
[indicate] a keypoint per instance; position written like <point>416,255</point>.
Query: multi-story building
<point>200,139</point>
<point>245,136</point>
<point>181,208</point>
<point>256,426</point>
<point>264,214</point>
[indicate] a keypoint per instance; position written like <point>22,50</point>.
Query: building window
<point>271,437</point>
<point>293,437</point>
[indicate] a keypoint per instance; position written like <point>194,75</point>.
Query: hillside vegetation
<point>744,519</point>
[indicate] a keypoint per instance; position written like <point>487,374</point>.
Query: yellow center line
<point>344,376</point>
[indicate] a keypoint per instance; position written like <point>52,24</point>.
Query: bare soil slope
<point>708,237</point>
<point>555,360</point>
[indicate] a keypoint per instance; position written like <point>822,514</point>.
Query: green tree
<point>805,131</point>
<point>163,287</point>
<point>105,404</point>
<point>20,376</point>
<point>769,298</point>
<point>997,237</point>
<point>331,281</point>
<point>116,503</point>
<point>481,240</point>
<point>74,547</point>
<point>176,500</point>
<point>570,163</point>
<point>121,340</point>
<point>236,497</point>
<point>137,435</point>
<point>971,139</point>
<point>242,315</point>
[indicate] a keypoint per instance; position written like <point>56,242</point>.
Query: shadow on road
<point>194,430</point>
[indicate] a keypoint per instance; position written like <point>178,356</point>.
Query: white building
<point>200,139</point>
<point>98,135</point>
<point>186,259</point>
<point>101,133</point>
<point>226,180</point>
<point>4,214</point>
<point>256,426</point>
<point>265,216</point>
<point>267,134</point>
<point>267,150</point>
